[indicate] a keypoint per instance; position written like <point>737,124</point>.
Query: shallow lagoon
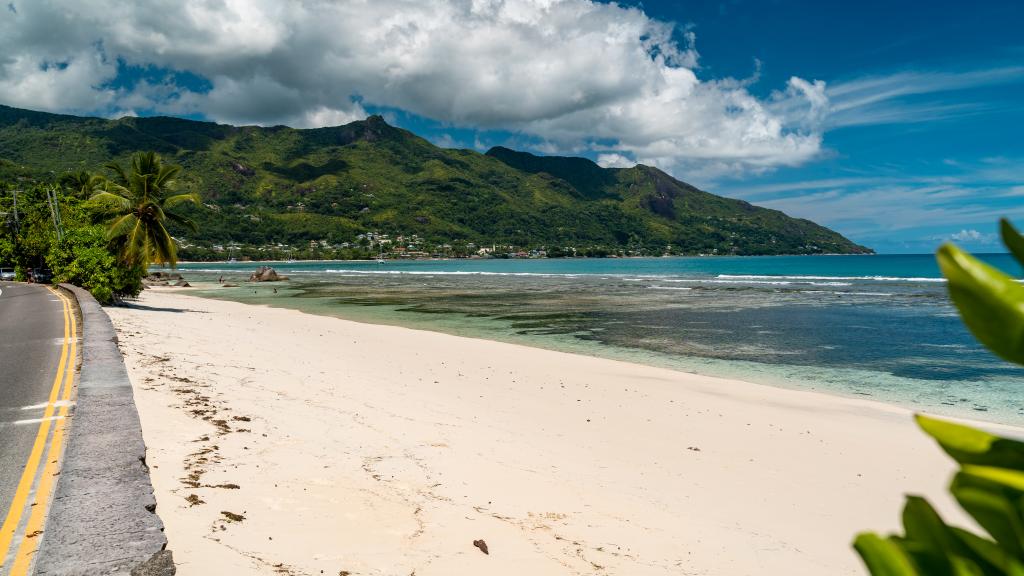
<point>873,326</point>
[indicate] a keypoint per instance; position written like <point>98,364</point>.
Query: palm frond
<point>161,244</point>
<point>122,226</point>
<point>108,204</point>
<point>167,176</point>
<point>111,195</point>
<point>120,176</point>
<point>172,201</point>
<point>178,219</point>
<point>135,246</point>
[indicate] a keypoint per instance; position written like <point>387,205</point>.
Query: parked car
<point>42,275</point>
<point>6,273</point>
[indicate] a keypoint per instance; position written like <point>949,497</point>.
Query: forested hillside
<point>283,185</point>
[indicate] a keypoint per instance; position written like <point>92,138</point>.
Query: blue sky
<point>896,123</point>
<point>950,158</point>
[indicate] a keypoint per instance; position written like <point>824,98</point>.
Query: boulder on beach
<point>158,276</point>
<point>266,274</point>
<point>164,279</point>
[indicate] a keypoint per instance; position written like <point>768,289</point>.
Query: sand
<point>288,443</point>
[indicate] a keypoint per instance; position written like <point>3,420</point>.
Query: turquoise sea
<point>869,326</point>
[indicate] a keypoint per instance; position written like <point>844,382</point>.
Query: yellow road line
<point>40,509</point>
<point>34,528</point>
<point>28,475</point>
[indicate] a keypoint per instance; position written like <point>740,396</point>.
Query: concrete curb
<point>103,517</point>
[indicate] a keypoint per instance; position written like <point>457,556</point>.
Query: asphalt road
<point>31,334</point>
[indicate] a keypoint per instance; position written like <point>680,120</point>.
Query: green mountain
<point>284,185</point>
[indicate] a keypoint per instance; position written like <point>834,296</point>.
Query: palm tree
<point>139,202</point>
<point>82,183</point>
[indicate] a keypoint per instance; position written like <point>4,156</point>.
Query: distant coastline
<point>458,258</point>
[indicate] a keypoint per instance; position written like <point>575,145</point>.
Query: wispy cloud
<point>883,99</point>
<point>899,212</point>
<point>895,98</point>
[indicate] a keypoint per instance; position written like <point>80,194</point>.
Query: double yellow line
<point>21,561</point>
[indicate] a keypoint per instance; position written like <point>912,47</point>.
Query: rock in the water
<point>266,274</point>
<point>228,285</point>
<point>182,284</point>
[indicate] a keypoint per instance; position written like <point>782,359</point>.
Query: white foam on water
<point>831,278</point>
<point>353,272</point>
<point>742,281</point>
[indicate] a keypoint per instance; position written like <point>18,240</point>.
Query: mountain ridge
<point>263,185</point>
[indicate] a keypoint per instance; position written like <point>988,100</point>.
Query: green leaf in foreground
<point>1013,240</point>
<point>990,483</point>
<point>990,302</point>
<point>995,498</point>
<point>969,445</point>
<point>884,557</point>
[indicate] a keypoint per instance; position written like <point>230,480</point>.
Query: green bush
<point>6,252</point>
<point>989,485</point>
<point>83,258</point>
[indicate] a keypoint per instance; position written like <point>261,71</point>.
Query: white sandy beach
<point>351,448</point>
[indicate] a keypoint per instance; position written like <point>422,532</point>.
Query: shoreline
<point>203,291</point>
<point>782,376</point>
<point>394,452</point>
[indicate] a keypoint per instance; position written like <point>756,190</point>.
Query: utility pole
<point>56,210</point>
<point>17,224</point>
<point>51,199</point>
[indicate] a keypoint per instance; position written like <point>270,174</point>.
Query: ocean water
<point>880,327</point>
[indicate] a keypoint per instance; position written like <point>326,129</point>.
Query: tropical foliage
<point>83,258</point>
<point>111,227</point>
<point>82,255</point>
<point>139,203</point>
<point>274,185</point>
<point>989,484</point>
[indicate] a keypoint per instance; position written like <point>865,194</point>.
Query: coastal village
<point>370,245</point>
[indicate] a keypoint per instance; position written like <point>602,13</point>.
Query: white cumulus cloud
<point>574,74</point>
<point>972,236</point>
<point>614,161</point>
